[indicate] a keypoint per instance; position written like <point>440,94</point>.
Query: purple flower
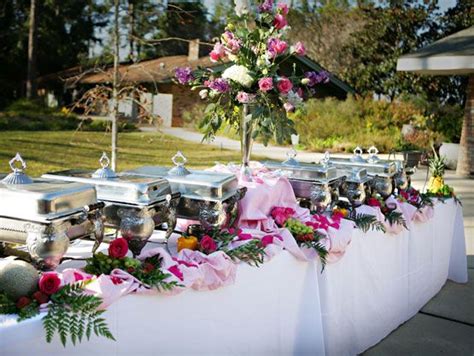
<point>184,75</point>
<point>220,85</point>
<point>316,78</point>
<point>266,6</point>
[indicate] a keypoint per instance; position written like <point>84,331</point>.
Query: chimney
<point>193,50</point>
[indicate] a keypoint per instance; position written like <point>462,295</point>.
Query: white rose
<point>203,93</point>
<point>242,7</point>
<point>239,74</point>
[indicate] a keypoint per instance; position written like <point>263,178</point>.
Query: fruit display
<point>18,278</point>
<point>299,230</point>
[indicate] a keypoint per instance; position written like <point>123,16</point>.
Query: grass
<point>58,150</point>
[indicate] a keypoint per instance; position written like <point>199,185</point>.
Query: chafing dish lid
<point>41,200</point>
<point>194,184</point>
<point>380,168</point>
<point>118,188</point>
<point>355,175</point>
<point>304,171</point>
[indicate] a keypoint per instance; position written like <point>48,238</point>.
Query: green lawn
<point>49,151</point>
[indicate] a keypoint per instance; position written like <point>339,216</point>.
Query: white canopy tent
<point>452,55</point>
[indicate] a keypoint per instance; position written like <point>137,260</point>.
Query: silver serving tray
<point>120,189</point>
<point>304,171</point>
<point>41,200</point>
<point>192,184</point>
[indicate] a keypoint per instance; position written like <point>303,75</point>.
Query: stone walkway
<point>445,325</point>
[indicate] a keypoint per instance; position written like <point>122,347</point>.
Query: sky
<point>443,5</point>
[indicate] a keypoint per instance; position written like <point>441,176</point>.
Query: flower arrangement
<point>254,49</point>
<point>306,233</point>
<point>147,271</point>
<point>235,243</point>
<point>413,197</point>
<point>69,311</point>
<point>388,209</point>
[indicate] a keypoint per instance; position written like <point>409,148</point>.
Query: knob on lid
<point>357,157</point>
<point>373,155</point>
<point>17,176</point>
<point>179,161</point>
<point>105,172</point>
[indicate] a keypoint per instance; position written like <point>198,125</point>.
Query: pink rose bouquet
<point>252,50</point>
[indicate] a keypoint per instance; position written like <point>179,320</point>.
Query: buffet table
<point>274,309</point>
<point>384,279</point>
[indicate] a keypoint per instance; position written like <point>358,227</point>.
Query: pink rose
<point>337,216</point>
<point>233,46</point>
<point>176,271</point>
<point>40,297</point>
<point>284,85</point>
<point>265,84</point>
<point>243,237</point>
<point>279,21</point>
<point>208,245</point>
<point>217,53</point>
<point>244,98</point>
<point>276,47</point>
<point>282,8</point>
<point>116,280</point>
<point>266,240</point>
<point>281,214</point>
<point>49,283</point>
<point>300,50</point>
<point>288,107</point>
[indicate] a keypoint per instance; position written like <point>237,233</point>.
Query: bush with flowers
<point>70,312</point>
<point>254,48</point>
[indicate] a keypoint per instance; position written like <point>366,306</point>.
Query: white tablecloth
<point>274,309</point>
<point>384,280</point>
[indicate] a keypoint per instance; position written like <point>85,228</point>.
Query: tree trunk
<point>131,30</point>
<point>465,165</point>
<point>31,79</point>
<point>115,85</point>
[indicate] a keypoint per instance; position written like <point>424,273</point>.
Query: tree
<point>32,34</point>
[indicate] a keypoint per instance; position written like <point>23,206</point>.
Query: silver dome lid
<point>17,176</point>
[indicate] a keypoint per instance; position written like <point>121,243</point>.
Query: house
<point>165,98</point>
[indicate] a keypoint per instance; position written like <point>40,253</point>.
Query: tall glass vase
<point>246,141</point>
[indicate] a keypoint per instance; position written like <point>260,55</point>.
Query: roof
<point>154,70</point>
<point>453,54</point>
<point>162,70</point>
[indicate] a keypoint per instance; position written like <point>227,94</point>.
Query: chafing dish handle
<point>96,206</point>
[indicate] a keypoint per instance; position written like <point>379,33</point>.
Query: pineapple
<point>437,166</point>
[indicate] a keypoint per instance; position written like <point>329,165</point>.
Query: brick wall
<point>183,99</point>
<point>466,150</point>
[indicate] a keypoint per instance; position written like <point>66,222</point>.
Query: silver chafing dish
<point>134,204</point>
<point>316,186</point>
<point>46,214</point>
<point>356,187</point>
<point>210,197</point>
<point>382,173</point>
<point>401,179</point>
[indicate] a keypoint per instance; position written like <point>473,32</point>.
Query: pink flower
<point>289,107</point>
<point>276,47</point>
<point>281,214</point>
<point>49,283</point>
<point>244,237</point>
<point>265,84</point>
<point>284,85</point>
<point>244,98</point>
<point>208,245</point>
<point>233,46</point>
<point>337,216</point>
<point>40,297</point>
<point>373,202</point>
<point>176,271</point>
<point>231,230</point>
<point>279,21</point>
<point>300,50</point>
<point>217,53</point>
<point>227,36</point>
<point>282,8</point>
<point>266,240</point>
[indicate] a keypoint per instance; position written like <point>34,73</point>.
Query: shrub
<point>32,115</point>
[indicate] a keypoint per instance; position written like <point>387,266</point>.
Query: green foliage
<point>367,222</point>
<point>7,306</point>
<point>75,314</point>
<point>251,252</point>
<point>396,218</point>
<point>148,271</point>
<point>320,249</point>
